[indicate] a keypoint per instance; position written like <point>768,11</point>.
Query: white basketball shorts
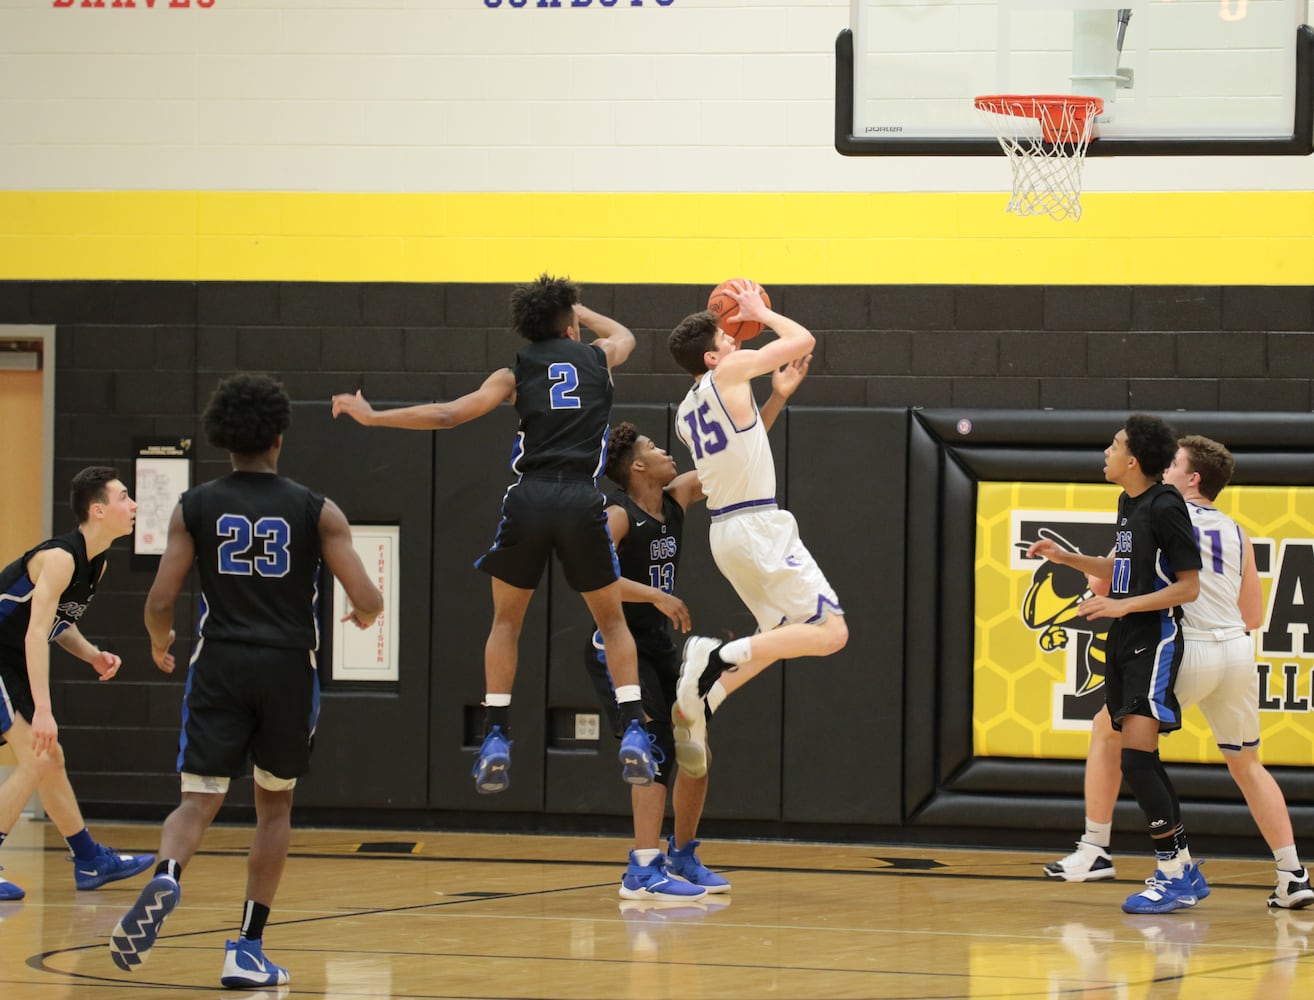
<point>775,576</point>
<point>1220,677</point>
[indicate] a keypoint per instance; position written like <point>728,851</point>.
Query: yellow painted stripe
<point>1253,237</point>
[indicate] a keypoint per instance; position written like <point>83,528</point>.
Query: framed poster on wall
<point>370,655</point>
<point>162,471</point>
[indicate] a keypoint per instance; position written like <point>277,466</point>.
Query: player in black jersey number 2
<point>562,391</point>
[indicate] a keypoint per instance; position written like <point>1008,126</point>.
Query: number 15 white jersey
<point>734,463</point>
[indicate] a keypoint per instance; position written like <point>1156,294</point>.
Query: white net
<point>1045,138</point>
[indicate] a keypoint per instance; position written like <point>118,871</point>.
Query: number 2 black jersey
<point>649,553</point>
<point>1153,541</point>
<point>563,396</point>
<point>16,589</point>
<point>257,552</point>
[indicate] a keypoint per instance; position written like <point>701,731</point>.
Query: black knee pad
<point>1154,792</point>
<point>663,747</point>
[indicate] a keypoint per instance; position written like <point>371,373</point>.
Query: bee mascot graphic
<point>1050,608</point>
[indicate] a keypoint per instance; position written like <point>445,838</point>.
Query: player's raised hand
<point>787,378</point>
<point>353,405</point>
<point>749,296</point>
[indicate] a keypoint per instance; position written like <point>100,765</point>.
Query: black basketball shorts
<point>245,701</point>
<point>543,516</point>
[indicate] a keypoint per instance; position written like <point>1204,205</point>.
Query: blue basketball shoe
<point>651,881</point>
<point>685,864</point>
<point>636,755</point>
<point>492,771</point>
<point>245,965</point>
<point>9,891</point>
<point>134,936</point>
<point>108,866</point>
<point>1162,894</point>
<point>1197,880</point>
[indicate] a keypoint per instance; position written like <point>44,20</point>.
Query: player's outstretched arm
<point>1047,548</point>
<point>498,388</point>
<point>344,563</point>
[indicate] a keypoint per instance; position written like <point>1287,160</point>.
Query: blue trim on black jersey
<point>10,601</point>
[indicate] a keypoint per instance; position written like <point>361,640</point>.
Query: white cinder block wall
<point>473,96</point>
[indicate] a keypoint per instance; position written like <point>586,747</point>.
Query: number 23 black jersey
<point>256,536</point>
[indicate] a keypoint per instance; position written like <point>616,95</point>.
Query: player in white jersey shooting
<point>754,543</point>
<point>1217,673</point>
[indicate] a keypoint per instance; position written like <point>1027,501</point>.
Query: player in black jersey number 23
<point>258,541</point>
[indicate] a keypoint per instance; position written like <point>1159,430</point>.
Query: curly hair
<point>544,308</point>
<point>1211,460</point>
<point>88,487</point>
<point>621,446</point>
<point>246,414</point>
<point>1152,442</point>
<point>694,337</point>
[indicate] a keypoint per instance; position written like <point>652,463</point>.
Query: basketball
<point>723,304</point>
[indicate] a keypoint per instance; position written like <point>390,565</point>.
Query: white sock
<point>737,651</point>
<point>497,700</point>
<point>1172,867</point>
<point>646,855</point>
<point>716,695</point>
<point>1287,859</point>
<point>1098,834</point>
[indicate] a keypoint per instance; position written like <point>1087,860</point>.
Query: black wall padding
<point>371,742</point>
<point>471,471</point>
<point>585,777</point>
<point>843,714</point>
<point>952,450</point>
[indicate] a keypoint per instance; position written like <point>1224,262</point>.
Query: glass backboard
<point>1195,77</point>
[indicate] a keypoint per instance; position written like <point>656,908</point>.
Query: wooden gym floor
<point>437,915</point>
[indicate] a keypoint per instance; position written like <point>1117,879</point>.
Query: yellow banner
<point>1038,678</point>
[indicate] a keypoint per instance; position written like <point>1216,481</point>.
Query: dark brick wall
<point>153,349</point>
<point>139,358</point>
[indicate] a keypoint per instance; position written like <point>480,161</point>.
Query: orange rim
<point>1062,117</point>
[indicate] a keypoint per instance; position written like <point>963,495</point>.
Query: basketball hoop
<point>1045,137</point>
